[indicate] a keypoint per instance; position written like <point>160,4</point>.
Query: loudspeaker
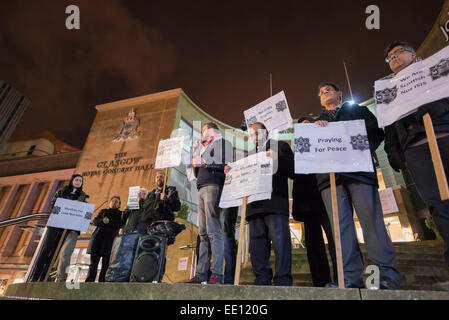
<point>149,261</point>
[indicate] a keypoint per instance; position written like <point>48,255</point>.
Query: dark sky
<point>219,52</point>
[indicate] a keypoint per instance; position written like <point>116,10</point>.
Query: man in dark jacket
<point>158,205</point>
<point>268,219</point>
<point>108,222</point>
<point>357,191</point>
<point>209,160</point>
<point>406,143</point>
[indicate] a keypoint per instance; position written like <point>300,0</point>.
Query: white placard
<point>169,153</point>
<point>182,263</point>
<point>420,83</point>
<point>339,147</point>
<point>273,113</point>
<point>72,215</point>
<point>250,177</point>
<point>388,201</point>
<point>133,198</point>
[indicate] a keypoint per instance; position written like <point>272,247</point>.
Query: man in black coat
<point>108,222</point>
<point>269,219</point>
<point>406,143</point>
<point>357,191</point>
<point>158,205</point>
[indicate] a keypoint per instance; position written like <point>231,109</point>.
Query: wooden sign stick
<point>337,238</point>
<point>165,179</point>
<point>238,264</point>
<point>436,158</point>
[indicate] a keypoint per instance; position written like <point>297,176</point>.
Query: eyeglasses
<point>326,90</point>
<point>396,53</point>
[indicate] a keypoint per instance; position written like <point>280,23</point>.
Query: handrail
<point>31,217</point>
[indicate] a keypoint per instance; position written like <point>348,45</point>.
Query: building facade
<point>12,106</point>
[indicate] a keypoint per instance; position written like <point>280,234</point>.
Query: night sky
<point>219,52</point>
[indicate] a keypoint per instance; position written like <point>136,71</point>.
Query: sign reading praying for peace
<point>339,147</point>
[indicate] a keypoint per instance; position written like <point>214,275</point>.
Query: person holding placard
<point>407,146</point>
<point>72,191</point>
<point>158,205</point>
<point>308,207</point>
<point>131,217</point>
<point>107,222</point>
<point>210,157</point>
<point>269,219</point>
<point>357,191</point>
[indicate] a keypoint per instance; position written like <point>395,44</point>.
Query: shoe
<point>195,279</point>
<point>441,286</point>
<point>331,285</point>
<point>388,284</point>
<point>214,280</point>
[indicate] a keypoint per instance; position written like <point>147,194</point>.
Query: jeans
<point>65,255</point>
<point>228,220</point>
<point>211,251</point>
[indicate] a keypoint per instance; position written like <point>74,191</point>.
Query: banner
<point>340,147</point>
<point>420,83</point>
<point>388,201</point>
<point>250,177</point>
<point>72,215</point>
<point>169,153</point>
<point>273,113</point>
<point>133,198</point>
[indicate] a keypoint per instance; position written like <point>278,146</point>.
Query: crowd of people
<point>405,144</point>
<point>157,205</point>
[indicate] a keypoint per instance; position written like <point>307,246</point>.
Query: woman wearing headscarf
<point>72,191</point>
<point>107,222</point>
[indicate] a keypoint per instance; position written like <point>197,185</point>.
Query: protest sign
<point>388,201</point>
<point>133,198</point>
<point>169,153</point>
<point>339,147</point>
<point>72,215</point>
<point>273,113</point>
<point>420,83</point>
<point>249,177</point>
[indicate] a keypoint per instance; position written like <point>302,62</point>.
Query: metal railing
<point>19,220</point>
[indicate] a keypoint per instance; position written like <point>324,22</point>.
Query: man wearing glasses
<point>406,143</point>
<point>357,191</point>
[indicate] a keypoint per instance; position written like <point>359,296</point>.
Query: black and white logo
<point>387,95</point>
<point>302,145</point>
<point>440,70</point>
<point>265,169</point>
<point>360,142</point>
<point>88,215</point>
<point>252,121</point>
<point>281,106</point>
<point>56,210</point>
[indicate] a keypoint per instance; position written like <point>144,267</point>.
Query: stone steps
<point>421,264</point>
